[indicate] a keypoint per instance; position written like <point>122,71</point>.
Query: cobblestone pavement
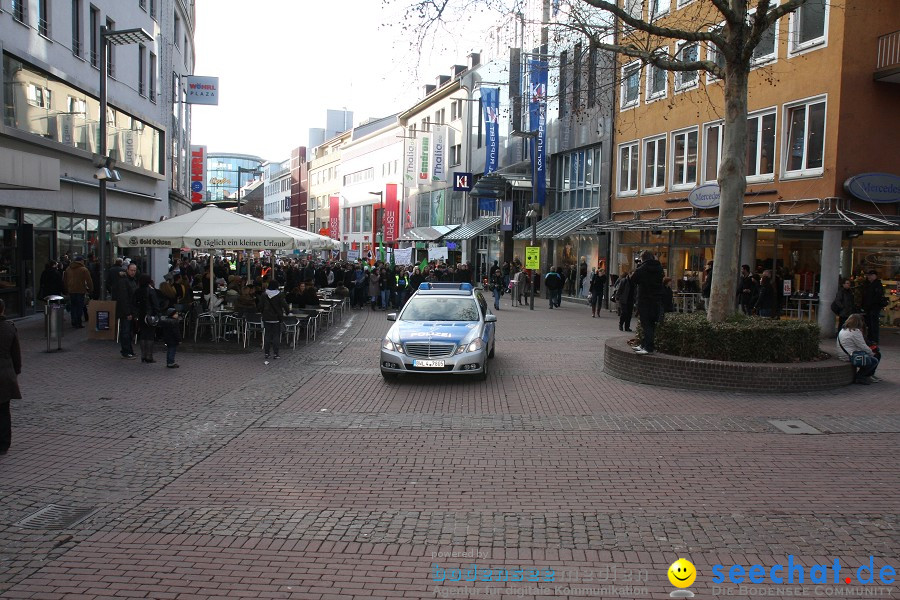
<point>313,478</point>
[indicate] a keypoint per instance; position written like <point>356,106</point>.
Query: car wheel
<point>484,372</point>
<point>388,376</point>
<point>493,347</point>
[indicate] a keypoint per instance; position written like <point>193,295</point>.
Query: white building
<point>48,136</point>
<point>277,198</point>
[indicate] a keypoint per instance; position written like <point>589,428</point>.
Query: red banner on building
<point>334,217</point>
<point>391,213</point>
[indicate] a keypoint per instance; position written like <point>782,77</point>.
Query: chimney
<point>442,79</point>
<point>429,88</point>
<point>457,70</point>
<point>474,60</point>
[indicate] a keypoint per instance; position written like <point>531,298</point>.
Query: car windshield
<point>425,308</point>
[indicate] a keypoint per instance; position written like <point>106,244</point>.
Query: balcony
<point>887,67</point>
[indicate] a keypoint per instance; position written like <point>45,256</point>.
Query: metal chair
<point>291,327</point>
<point>253,322</point>
<point>206,320</point>
<point>232,325</point>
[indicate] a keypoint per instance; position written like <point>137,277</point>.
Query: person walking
<point>171,334</point>
<point>873,300</point>
<point>123,293</point>
<point>374,288</point>
<point>596,289</point>
<point>273,307</point>
<point>844,304</point>
<point>554,283</point>
<point>648,283</point>
<point>147,313</point>
<point>624,297</point>
<point>10,368</point>
<point>77,282</point>
<point>498,281</point>
<point>51,281</point>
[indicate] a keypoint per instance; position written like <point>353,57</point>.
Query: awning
<point>496,185</point>
<point>560,224</point>
<point>470,230</point>
<point>815,220</point>
<point>427,234</point>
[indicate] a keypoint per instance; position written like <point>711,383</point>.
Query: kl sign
<point>462,182</point>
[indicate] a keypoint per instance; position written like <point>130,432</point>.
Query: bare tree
<point>733,28</point>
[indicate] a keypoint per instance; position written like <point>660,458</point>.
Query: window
<point>367,217</point>
<point>44,17</point>
<point>357,214</point>
<point>77,40</point>
<point>686,79</point>
<point>684,159</point>
<point>95,36</point>
<point>455,155</point>
<point>628,169</point>
<point>659,8</point>
<point>631,76</point>
<point>110,51</point>
<point>808,25</point>
<point>765,51</point>
<point>153,8</point>
<point>712,151</point>
<point>656,83</point>
<point>439,116</point>
<point>143,5</point>
<point>177,29</point>
<point>38,96</point>
<point>713,54</point>
<point>634,8</point>
<point>760,145</point>
<point>345,226</point>
<point>142,70</point>
<point>152,77</point>
<point>805,141</point>
<point>655,164</point>
<point>578,182</point>
<point>456,110</point>
<point>20,10</point>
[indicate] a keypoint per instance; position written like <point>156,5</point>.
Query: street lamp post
<point>116,38</point>
<point>535,208</point>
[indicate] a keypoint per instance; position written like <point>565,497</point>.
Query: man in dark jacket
<point>123,293</point>
<point>648,281</point>
<point>78,283</point>
<point>554,282</point>
<point>273,307</point>
<point>747,290</point>
<point>873,300</point>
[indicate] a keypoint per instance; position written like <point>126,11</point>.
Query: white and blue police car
<point>443,328</point>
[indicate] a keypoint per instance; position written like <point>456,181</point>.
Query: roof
<point>473,228</point>
<point>560,224</point>
<point>427,234</point>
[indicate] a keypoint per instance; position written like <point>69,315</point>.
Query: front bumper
<point>467,363</point>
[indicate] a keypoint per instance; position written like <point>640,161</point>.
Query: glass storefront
<point>222,174</point>
<point>568,255</point>
<point>41,105</point>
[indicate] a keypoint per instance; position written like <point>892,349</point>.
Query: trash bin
<point>53,321</point>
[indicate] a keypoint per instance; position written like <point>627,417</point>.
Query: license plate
<point>428,363</point>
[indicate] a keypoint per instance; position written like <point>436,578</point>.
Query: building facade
<point>49,131</point>
<point>226,172</point>
<point>277,192</point>
<point>325,186</point>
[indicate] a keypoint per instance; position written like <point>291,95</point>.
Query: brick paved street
<point>313,478</point>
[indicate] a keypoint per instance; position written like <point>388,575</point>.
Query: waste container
<point>53,321</point>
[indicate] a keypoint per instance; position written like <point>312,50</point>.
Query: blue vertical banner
<point>490,100</point>
<point>537,111</point>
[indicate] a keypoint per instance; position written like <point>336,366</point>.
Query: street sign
<point>533,257</point>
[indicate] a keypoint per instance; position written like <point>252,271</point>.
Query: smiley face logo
<point>682,573</point>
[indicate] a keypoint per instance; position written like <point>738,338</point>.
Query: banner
<point>487,204</point>
<point>424,159</point>
<point>437,207</point>
<point>490,98</point>
<point>403,256</point>
<point>437,253</point>
<point>506,216</point>
<point>198,174</point>
<point>334,217</point>
<point>202,90</point>
<point>352,255</point>
<point>439,155</point>
<point>538,123</point>
<point>409,161</point>
<point>391,214</point>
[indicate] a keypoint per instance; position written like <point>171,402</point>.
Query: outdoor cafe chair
<point>291,328</point>
<point>232,326</point>
<point>206,320</point>
<point>254,323</point>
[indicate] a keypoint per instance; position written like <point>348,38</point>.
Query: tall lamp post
<point>534,208</point>
<point>381,211</point>
<point>115,37</point>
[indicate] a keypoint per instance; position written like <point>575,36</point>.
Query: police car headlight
<point>390,346</point>
<point>475,345</point>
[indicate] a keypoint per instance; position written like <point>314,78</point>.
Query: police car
<point>443,328</point>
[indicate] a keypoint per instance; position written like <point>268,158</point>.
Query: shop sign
<point>202,90</point>
<point>705,196</point>
<point>874,187</point>
<point>533,257</point>
<point>198,174</point>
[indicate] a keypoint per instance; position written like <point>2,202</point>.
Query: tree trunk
<point>733,185</point>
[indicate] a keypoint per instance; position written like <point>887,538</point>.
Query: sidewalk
<point>313,478</point>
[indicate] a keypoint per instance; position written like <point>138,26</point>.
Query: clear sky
<point>282,63</point>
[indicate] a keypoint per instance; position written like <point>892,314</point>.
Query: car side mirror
<point>490,318</point>
<point>392,316</point>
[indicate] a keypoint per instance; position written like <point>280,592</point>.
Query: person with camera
<point>147,313</point>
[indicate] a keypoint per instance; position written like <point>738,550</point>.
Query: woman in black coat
<point>765,302</point>
<point>147,304</point>
<point>51,281</point>
<point>844,302</point>
<point>10,368</point>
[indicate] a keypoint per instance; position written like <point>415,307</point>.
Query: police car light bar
<point>465,287</point>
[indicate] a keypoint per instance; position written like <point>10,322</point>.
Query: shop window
<point>805,140</point>
<point>357,214</point>
<point>760,146</point>
<point>631,77</point>
<point>657,80</point>
<point>654,165</point>
<point>455,155</point>
<point>687,53</point>
<point>367,218</point>
<point>684,159</point>
<point>628,169</point>
<point>808,25</point>
<point>712,151</point>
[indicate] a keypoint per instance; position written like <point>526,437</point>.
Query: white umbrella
<point>314,240</point>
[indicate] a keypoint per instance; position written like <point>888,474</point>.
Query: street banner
<point>437,207</point>
<point>506,216</point>
<point>424,161</point>
<point>490,98</point>
<point>437,253</point>
<point>334,217</point>
<point>439,154</point>
<point>533,257</point>
<point>198,174</point>
<point>409,161</point>
<point>352,255</point>
<point>403,256</point>
<point>202,90</point>
<point>487,204</point>
<point>391,214</point>
<point>538,123</point>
